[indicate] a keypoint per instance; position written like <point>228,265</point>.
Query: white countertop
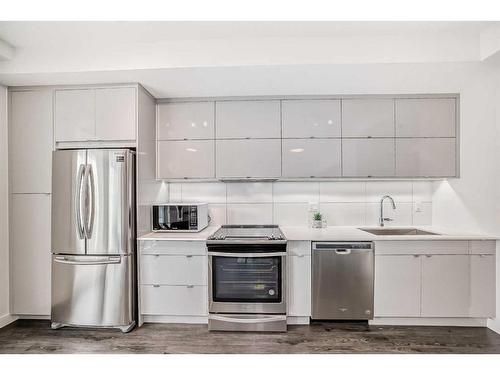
<point>350,233</point>
<point>180,236</point>
<point>333,233</point>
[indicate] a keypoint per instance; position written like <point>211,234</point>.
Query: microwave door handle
<point>78,202</point>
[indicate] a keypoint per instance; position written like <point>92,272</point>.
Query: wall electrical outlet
<point>419,207</point>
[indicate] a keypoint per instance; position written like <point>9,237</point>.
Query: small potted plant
<point>317,220</point>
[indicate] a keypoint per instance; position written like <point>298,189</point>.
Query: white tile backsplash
<point>296,192</point>
<point>342,191</point>
<point>208,192</point>
<point>288,203</point>
<point>293,214</point>
<point>350,213</point>
<point>400,191</point>
<point>249,192</point>
<point>249,213</point>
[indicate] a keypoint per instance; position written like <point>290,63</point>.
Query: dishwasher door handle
<point>343,251</point>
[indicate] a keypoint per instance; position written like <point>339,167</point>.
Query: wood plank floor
<point>35,336</point>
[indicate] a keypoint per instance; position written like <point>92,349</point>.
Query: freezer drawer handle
<point>248,320</point>
<point>343,251</point>
<point>112,260</point>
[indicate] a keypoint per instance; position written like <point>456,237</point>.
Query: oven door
<point>243,282</point>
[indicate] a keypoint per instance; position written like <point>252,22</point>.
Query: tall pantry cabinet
<point>30,166</point>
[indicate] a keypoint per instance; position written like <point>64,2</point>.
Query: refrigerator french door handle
<point>78,202</point>
<point>90,201</point>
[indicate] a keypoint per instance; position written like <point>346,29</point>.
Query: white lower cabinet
<point>174,269</point>
<point>173,278</point>
<point>397,286</point>
<point>299,285</point>
<point>482,274</point>
<point>445,286</point>
<point>30,254</point>
<point>184,300</point>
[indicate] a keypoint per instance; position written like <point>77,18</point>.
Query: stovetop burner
<point>248,233</point>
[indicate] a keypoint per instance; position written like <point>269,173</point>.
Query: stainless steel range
<point>247,278</point>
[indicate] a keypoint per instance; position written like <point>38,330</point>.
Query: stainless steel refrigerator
<point>93,238</point>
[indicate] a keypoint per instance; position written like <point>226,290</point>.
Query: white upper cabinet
<point>482,269</point>
<point>186,159</point>
<point>255,158</point>
<point>116,113</point>
<point>190,120</point>
<point>372,157</point>
<point>31,141</point>
<point>368,117</point>
<point>311,118</point>
<point>397,286</point>
<point>90,114</point>
<point>425,157</point>
<point>248,119</point>
<point>431,117</point>
<point>75,115</point>
<point>311,158</point>
<point>445,286</point>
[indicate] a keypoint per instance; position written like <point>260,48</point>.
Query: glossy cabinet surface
<point>299,285</point>
<point>259,158</point>
<point>397,286</point>
<point>248,119</point>
<point>311,158</point>
<point>432,117</point>
<point>186,120</point>
<point>186,159</point>
<point>31,141</point>
<point>311,118</point>
<point>115,113</point>
<point>368,118</point>
<point>177,300</point>
<point>445,286</point>
<point>75,115</point>
<point>30,254</point>
<point>369,157</point>
<point>482,269</point>
<point>174,269</point>
<point>425,157</point>
<point>95,114</point>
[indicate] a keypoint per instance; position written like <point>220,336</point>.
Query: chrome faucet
<point>382,218</point>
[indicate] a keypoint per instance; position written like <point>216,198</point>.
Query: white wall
<point>4,211</point>
<point>288,203</point>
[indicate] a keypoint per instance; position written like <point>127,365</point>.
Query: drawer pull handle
<point>189,256</point>
<point>190,286</point>
<point>156,286</point>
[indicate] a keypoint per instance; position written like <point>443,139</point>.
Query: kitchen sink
<point>398,232</point>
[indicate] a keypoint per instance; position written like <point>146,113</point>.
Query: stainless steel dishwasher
<point>342,280</point>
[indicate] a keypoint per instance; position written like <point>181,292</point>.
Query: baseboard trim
<point>494,325</point>
<point>175,319</point>
<point>457,322</point>
<point>297,320</point>
<point>6,319</point>
<point>32,317</point>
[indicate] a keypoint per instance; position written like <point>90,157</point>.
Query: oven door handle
<point>247,255</point>
<point>270,319</point>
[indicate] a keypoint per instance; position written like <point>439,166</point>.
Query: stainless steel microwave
<point>180,217</point>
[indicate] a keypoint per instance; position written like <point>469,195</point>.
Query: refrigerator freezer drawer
<point>93,290</point>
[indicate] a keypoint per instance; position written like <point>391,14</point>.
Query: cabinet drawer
<point>298,248</point>
<point>174,269</point>
<point>482,247</point>
<point>174,300</point>
<point>173,247</point>
<point>421,247</point>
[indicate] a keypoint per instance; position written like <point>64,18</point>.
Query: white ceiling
<point>192,58</point>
